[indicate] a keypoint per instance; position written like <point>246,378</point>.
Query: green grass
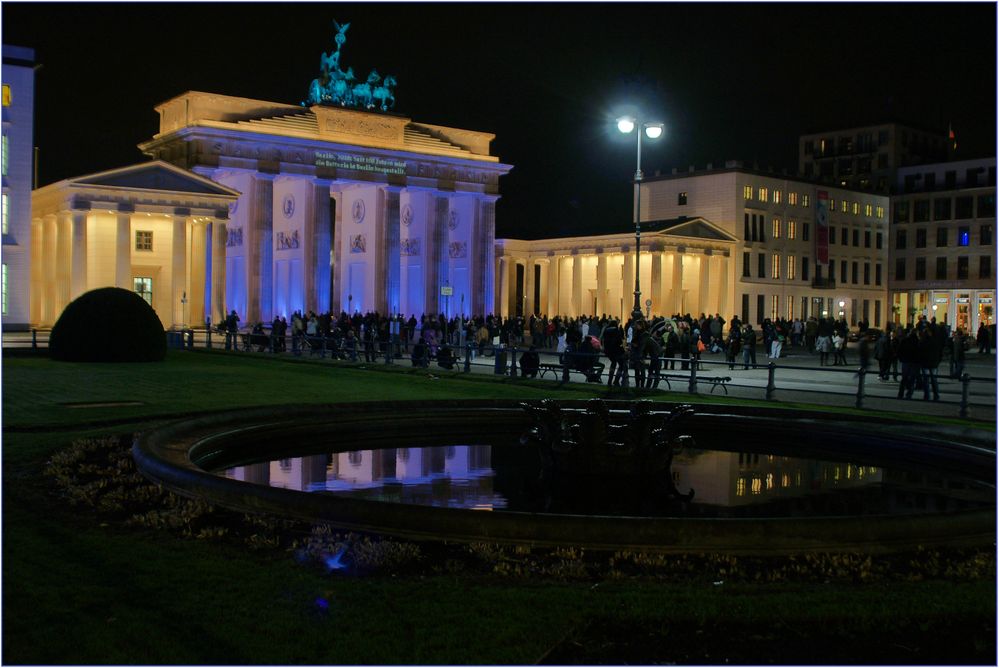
<point>78,592</point>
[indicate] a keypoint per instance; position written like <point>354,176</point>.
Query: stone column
<point>577,285</point>
<point>36,295</point>
<point>678,282</point>
<point>529,306</point>
<point>79,254</point>
<point>123,250</point>
<point>336,271</point>
<point>601,282</point>
<point>725,287</point>
<point>217,294</point>
<point>64,261</point>
<point>552,286</point>
<point>390,256</point>
<point>199,269</point>
<point>703,281</point>
<point>50,282</point>
<point>178,273</point>
<point>657,282</point>
<point>627,285</point>
<point>258,237</point>
<point>503,308</point>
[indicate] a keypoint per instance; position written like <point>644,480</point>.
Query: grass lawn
<point>76,590</point>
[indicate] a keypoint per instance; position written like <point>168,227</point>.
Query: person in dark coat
<point>908,357</point>
<point>529,363</point>
<point>613,345</point>
<point>958,356</point>
<point>928,355</point>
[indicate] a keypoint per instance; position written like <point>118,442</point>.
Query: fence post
<point>34,339</point>
<point>498,361</point>
<point>513,361</point>
<point>468,357</point>
<point>208,339</point>
<point>692,385</point>
<point>860,387</point>
<point>771,368</point>
<point>965,384</point>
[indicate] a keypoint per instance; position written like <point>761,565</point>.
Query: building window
<point>941,269</point>
<point>776,228</point>
<point>867,273</point>
<point>763,194</point>
<point>775,266</point>
<point>745,226</point>
<point>843,236</point>
<point>941,209</point>
<point>921,211</point>
<point>804,268</point>
<point>774,307</point>
<point>962,268</point>
<point>842,271</point>
<point>879,240</point>
<point>855,208</point>
<point>804,200</point>
<point>985,266</point>
<point>3,157</point>
<point>761,266</point>
<point>143,287</point>
<point>900,269</point>
<point>143,240</point>
<point>792,199</point>
<point>792,231</point>
<point>880,212</point>
<point>804,231</point>
<point>776,197</point>
<point>759,309</point>
<point>900,240</point>
<point>747,192</point>
<point>832,270</point>
<point>921,238</point>
<point>745,265</point>
<point>681,199</point>
<point>867,238</point>
<point>4,208</point>
<point>3,286</point>
<point>832,235</point>
<point>868,210</point>
<point>963,207</point>
<point>844,206</point>
<point>942,237</point>
<point>901,212</point>
<point>854,272</point>
<point>963,236</point>
<point>832,205</point>
<point>790,267</point>
<point>877,274</point>
<point>920,269</point>
<point>856,238</point>
<point>985,235</point>
<point>986,206</point>
<point>745,308</point>
<point>6,95</point>
<point>763,222</point>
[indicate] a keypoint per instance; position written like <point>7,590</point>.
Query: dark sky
<point>730,81</point>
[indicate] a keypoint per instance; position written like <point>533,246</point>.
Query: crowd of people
<point>909,355</point>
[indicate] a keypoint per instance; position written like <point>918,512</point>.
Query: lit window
<point>790,269</point>
<point>747,192</point>
<point>804,200</point>
<point>880,212</point>
<point>962,236</point>
<point>790,308</point>
<point>763,195</point>
<point>4,208</point>
<point>776,197</point>
<point>770,481</point>
<point>792,229</point>
<point>776,228</point>
<point>144,288</point>
<point>6,95</point>
<point>3,158</point>
<point>785,480</point>
<point>143,240</point>
<point>792,199</point>
<point>868,210</point>
<point>3,289</point>
<point>855,209</point>
<point>774,307</point>
<point>844,206</point>
<point>740,487</point>
<point>757,485</point>
<point>775,266</point>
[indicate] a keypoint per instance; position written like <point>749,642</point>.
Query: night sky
<point>730,81</point>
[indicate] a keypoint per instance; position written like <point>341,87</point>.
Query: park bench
<point>714,381</point>
<point>558,371</point>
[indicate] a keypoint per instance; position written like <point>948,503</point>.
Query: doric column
<point>123,250</point>
<point>78,277</point>
<point>64,261</point>
<point>627,285</point>
<point>50,282</point>
<point>552,286</point>
<point>178,272</point>
<point>703,281</point>
<point>657,282</point>
<point>36,295</point>
<point>316,244</point>
<point>529,305</point>
<point>503,308</point>
<point>217,294</point>
<point>577,285</point>
<point>390,252</point>
<point>601,282</point>
<point>725,288</point>
<point>196,297</point>
<point>258,240</point>
<point>336,271</point>
<point>678,282</point>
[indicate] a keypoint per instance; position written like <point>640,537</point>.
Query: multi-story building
<point>867,158</point>
<point>729,241</point>
<point>16,158</point>
<point>943,245</point>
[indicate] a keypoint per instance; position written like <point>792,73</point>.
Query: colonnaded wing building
<point>266,208</point>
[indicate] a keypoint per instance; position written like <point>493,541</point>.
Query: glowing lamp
<point>653,130</point>
<point>626,124</point>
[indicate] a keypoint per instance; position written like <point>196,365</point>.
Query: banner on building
<point>822,227</point>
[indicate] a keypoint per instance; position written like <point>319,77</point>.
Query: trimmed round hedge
<point>108,325</point>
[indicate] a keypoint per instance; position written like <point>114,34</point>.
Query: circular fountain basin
<point>765,481</point>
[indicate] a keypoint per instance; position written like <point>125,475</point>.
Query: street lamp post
<point>653,130</point>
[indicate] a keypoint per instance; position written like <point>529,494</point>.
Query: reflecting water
<point>726,484</point>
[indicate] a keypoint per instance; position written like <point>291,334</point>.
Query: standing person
<point>749,336</point>
<point>777,344</point>
<point>613,345</point>
<point>653,350</point>
<point>882,353</point>
<point>928,356</point>
<point>983,339</point>
<point>732,347</point>
<point>896,340</point>
<point>839,348</point>
<point>958,356</point>
<point>636,352</point>
<point>908,357</point>
<point>670,343</point>
<point>231,329</point>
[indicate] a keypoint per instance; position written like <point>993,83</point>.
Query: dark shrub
<point>108,325</point>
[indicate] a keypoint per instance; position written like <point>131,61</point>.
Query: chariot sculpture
<point>336,87</point>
